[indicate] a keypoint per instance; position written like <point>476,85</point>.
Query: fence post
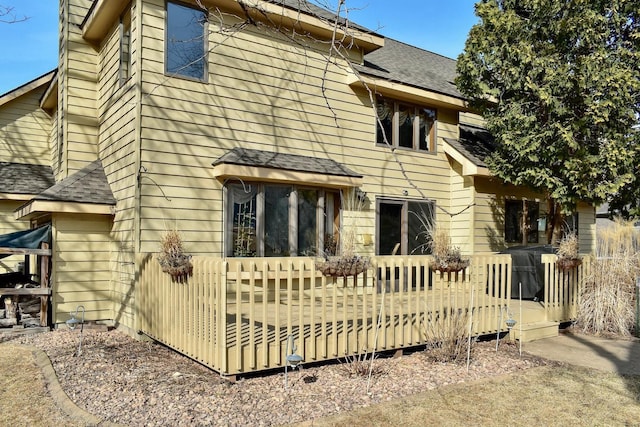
<point>638,307</point>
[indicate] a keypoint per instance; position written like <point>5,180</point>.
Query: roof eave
<point>406,92</point>
<point>100,18</point>
<point>26,88</point>
<point>35,208</point>
<point>226,171</point>
<point>468,167</point>
<point>49,100</point>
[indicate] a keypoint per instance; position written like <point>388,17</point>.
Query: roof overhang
<point>49,100</point>
<point>468,167</point>
<point>17,197</point>
<point>290,18</point>
<point>405,92</point>
<point>26,88</point>
<point>104,13</point>
<point>257,173</point>
<point>100,18</point>
<point>36,208</point>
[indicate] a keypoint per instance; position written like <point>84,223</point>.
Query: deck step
<point>535,331</point>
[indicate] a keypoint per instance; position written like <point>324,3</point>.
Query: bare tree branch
<point>8,16</point>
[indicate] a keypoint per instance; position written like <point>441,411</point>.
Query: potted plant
<point>568,255</point>
<point>446,257</point>
<point>172,258</point>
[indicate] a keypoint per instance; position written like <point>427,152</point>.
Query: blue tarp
<point>27,239</point>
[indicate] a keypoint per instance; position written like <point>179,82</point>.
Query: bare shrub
<point>447,335</point>
<point>607,297</point>
<point>359,365</point>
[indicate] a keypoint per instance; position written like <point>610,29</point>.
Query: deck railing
<point>562,288</point>
<point>235,315</point>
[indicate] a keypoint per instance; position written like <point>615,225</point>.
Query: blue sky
<point>29,49</point>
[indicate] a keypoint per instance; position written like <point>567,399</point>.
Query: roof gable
<point>88,185</point>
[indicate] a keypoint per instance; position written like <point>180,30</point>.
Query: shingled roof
<point>20,178</point>
<point>88,185</point>
<point>475,144</point>
<point>269,159</point>
<point>410,65</point>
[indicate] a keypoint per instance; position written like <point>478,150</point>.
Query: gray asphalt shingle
<point>475,143</point>
<point>88,185</point>
<point>19,178</point>
<point>269,159</point>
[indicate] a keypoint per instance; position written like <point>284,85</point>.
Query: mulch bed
<point>133,382</point>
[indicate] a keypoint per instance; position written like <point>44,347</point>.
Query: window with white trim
<point>402,125</point>
<point>280,220</point>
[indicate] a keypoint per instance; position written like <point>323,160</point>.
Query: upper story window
<point>185,41</point>
<point>520,221</point>
<point>407,126</point>
<point>125,46</point>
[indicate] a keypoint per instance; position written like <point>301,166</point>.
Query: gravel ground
<point>141,383</point>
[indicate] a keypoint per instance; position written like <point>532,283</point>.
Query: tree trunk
<point>554,221</point>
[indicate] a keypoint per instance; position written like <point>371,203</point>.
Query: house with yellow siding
<point>246,126</point>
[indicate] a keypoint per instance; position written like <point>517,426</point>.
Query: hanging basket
<point>340,266</point>
<point>179,267</point>
<point>566,264</point>
<point>449,266</point>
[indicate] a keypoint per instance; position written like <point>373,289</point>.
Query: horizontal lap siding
<point>116,147</point>
<point>489,218</point>
<point>24,130</point>
<point>587,228</point>
<point>263,92</point>
<point>78,81</point>
<point>81,279</point>
<point>462,210</point>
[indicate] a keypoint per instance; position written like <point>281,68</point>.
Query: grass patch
<point>563,396</point>
<point>26,403</point>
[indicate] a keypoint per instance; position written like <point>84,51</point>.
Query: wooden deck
<point>235,315</point>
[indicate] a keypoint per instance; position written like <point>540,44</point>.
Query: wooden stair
<point>534,331</point>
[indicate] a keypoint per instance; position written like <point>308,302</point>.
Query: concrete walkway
<point>611,355</point>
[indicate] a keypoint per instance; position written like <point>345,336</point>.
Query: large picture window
<point>406,126</point>
<point>403,224</point>
<point>520,220</point>
<point>185,41</point>
<point>280,220</point>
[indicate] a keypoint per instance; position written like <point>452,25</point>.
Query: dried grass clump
<point>363,364</point>
<point>446,257</point>
<point>568,252</point>
<point>340,258</point>
<point>447,336</point>
<point>607,297</point>
<point>172,258</point>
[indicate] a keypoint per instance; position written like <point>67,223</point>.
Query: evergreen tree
<point>558,82</point>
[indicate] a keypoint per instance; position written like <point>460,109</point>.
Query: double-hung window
<point>280,220</point>
<point>406,126</point>
<point>185,41</point>
<point>521,221</point>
